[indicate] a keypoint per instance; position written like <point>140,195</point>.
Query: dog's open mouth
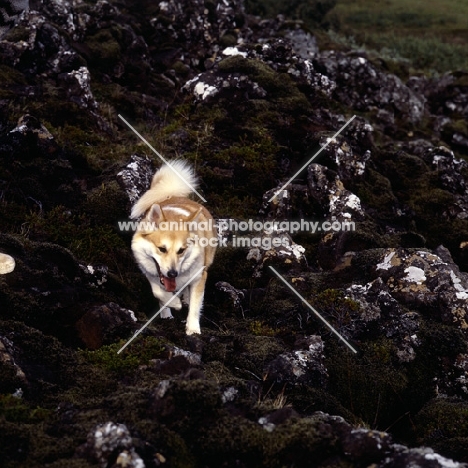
<point>168,283</point>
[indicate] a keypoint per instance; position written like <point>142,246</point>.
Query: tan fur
<point>176,251</point>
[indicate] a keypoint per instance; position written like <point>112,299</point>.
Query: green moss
<point>250,165</point>
<point>333,299</point>
<point>94,242</point>
<point>280,87</point>
<point>227,40</point>
<point>17,34</point>
<point>443,424</point>
<point>143,349</point>
<point>307,400</point>
<point>15,409</point>
<point>174,447</point>
<point>300,439</point>
<point>230,264</point>
<point>188,405</point>
<point>417,187</point>
<point>442,418</point>
<point>104,48</point>
<point>371,388</point>
<point>257,327</point>
<point>106,204</point>
<point>252,353</point>
<point>376,193</point>
<point>75,138</point>
<point>58,111</point>
<point>49,365</point>
<point>231,440</point>
<point>337,309</point>
<point>9,77</point>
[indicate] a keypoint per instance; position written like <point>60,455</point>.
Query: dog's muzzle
<point>168,282</point>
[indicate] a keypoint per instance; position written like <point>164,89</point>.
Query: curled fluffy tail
<point>175,179</point>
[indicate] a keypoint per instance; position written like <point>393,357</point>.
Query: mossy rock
<point>252,353</point>
<point>48,365</point>
<point>307,400</point>
<point>187,406</point>
<point>300,439</point>
<point>404,170</point>
<point>443,425</point>
<point>232,441</point>
<point>371,388</point>
<point>280,86</point>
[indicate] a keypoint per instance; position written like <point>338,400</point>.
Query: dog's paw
<point>175,303</point>
<point>166,313</point>
<point>194,330</point>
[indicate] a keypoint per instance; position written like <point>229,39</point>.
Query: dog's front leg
<point>163,296</point>
<point>196,294</point>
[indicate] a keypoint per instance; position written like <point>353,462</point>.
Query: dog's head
<point>161,247</point>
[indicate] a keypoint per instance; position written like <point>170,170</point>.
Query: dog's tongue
<point>169,283</point>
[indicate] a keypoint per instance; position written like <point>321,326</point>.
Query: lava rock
<point>303,366</point>
<point>136,177</point>
<point>111,443</point>
<point>105,325</point>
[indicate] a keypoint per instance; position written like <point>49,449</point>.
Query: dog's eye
<point>181,251</point>
<point>162,249</point>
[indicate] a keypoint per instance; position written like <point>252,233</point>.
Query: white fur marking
<point>177,209</point>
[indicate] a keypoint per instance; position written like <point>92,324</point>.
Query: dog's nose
<point>172,274</point>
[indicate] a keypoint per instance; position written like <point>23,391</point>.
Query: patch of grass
<point>433,36</point>
<point>426,53</point>
<point>438,15</point>
<point>311,10</point>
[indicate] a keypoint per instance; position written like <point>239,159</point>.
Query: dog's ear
<point>192,221</point>
<point>155,214</point>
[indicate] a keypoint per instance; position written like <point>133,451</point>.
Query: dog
<point>176,239</point>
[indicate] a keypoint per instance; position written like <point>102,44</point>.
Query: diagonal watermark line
<point>312,158</point>
<point>159,311</point>
<point>144,140</point>
<point>314,311</point>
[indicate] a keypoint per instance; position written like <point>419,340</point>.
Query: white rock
<point>7,264</point>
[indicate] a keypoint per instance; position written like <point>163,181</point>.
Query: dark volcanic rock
<point>361,86</point>
<point>105,325</point>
